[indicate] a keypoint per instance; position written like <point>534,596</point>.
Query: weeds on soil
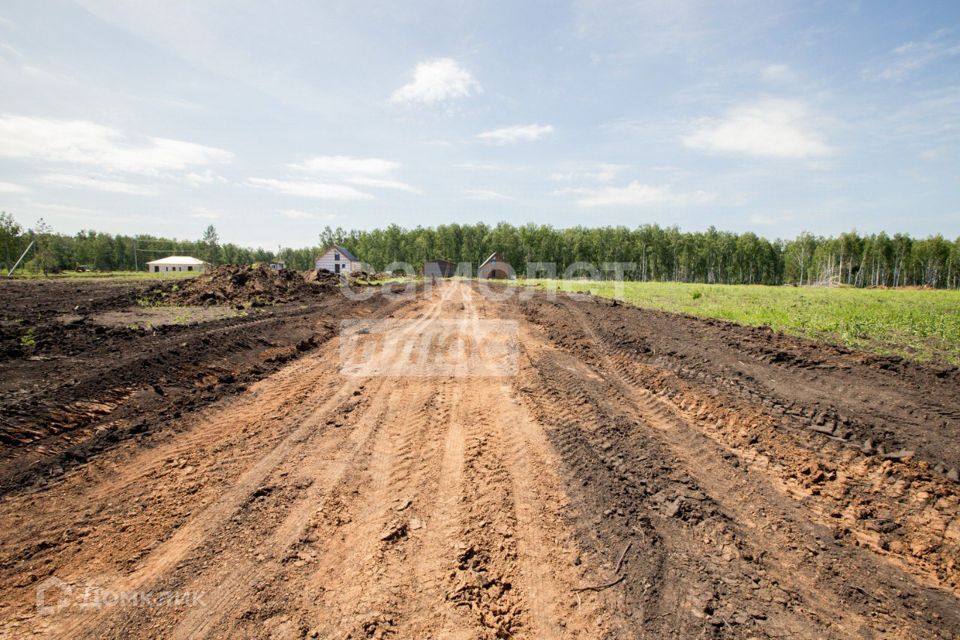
<point>920,325</point>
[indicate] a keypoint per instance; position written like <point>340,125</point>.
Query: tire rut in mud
<point>601,408</point>
<point>611,489</point>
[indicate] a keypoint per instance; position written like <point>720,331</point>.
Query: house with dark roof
<point>496,267</point>
<point>439,269</point>
<point>337,259</point>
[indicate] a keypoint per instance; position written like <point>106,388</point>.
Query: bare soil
<point>640,474</point>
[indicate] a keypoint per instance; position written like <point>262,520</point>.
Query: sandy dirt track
<point>612,487</point>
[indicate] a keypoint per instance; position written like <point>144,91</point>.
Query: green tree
<point>46,258</point>
<point>10,232</point>
<point>211,245</point>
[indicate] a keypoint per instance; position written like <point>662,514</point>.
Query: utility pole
<point>22,256</point>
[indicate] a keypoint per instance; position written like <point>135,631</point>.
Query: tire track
<point>198,530</point>
<point>771,523</point>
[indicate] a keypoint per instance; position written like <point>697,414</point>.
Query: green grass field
<point>918,324</point>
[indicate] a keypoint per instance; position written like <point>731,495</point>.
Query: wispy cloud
<point>375,173</point>
<point>204,213</point>
<point>517,133</point>
<point>912,56</point>
<point>9,187</point>
<point>87,143</point>
<point>931,118</point>
<point>602,172</point>
<point>96,183</point>
<point>206,177</point>
<point>771,127</point>
<point>635,194</point>
<point>346,165</point>
<point>624,29</point>
<point>437,81</point>
<point>481,166</point>
<point>776,73</point>
<point>311,189</point>
<point>10,49</point>
<point>768,220</point>
<point>337,178</point>
<point>299,214</point>
<point>484,194</point>
<point>65,209</point>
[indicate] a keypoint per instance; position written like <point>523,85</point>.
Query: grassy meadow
<point>919,324</point>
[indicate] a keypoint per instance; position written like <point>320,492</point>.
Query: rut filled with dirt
<point>627,474</point>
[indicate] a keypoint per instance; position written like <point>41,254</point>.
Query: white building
<point>336,259</point>
<point>176,263</point>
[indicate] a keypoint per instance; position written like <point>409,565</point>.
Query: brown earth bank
<point>85,364</point>
<point>635,474</point>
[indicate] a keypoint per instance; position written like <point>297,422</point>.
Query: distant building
<point>176,263</point>
<point>277,266</point>
<point>336,259</point>
<point>439,269</point>
<point>496,267</point>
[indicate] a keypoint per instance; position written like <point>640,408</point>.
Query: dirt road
<point>608,486</point>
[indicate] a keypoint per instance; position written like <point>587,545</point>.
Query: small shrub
<point>696,295</point>
<point>28,340</point>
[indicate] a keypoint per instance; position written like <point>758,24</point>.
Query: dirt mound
<point>368,277</point>
<point>354,278</point>
<point>234,284</point>
<point>322,277</point>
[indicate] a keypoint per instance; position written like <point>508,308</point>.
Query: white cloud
<point>9,187</point>
<point>516,133</point>
<point>67,210</point>
<point>776,73</point>
<point>47,76</point>
<point>299,214</point>
<point>771,127</point>
<point>603,172</point>
<point>375,173</point>
<point>481,166</point>
<point>914,55</point>
<point>96,183</point>
<point>207,214</point>
<point>768,220</point>
<point>635,194</point>
<point>11,49</point>
<point>436,81</point>
<point>381,183</point>
<point>484,194</point>
<point>311,189</point>
<point>347,165</point>
<point>207,177</point>
<point>87,143</point>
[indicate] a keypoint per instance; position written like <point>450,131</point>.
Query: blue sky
<point>271,120</point>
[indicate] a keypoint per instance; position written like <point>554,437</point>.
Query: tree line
<point>669,254</point>
<point>655,253</point>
